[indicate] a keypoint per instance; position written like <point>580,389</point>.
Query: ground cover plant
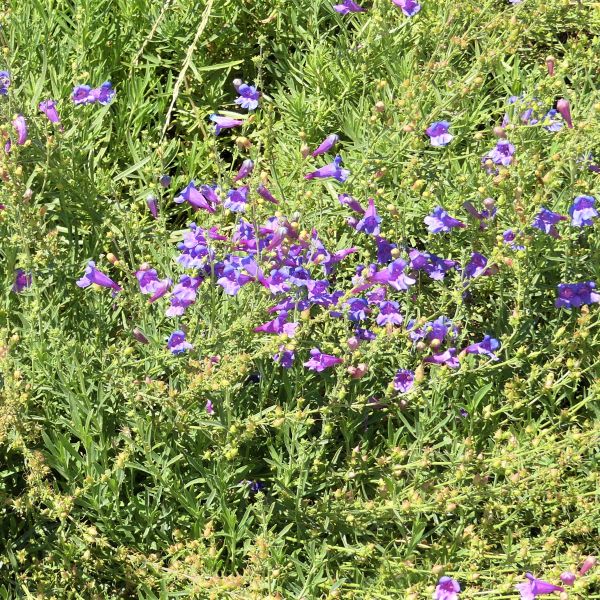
<point>299,299</point>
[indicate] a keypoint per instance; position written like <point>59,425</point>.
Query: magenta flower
<point>326,145</point>
<point>319,361</point>
<point>582,211</point>
<point>92,275</point>
<point>22,281</point>
<point>245,170</point>
<point>152,285</point>
<point>332,170</point>
<point>409,7</point>
<point>438,131</point>
<point>278,326</point>
<point>440,221</point>
<point>177,343</point>
<point>183,295</point>
<point>248,96</point>
<point>536,587</point>
<point>446,589</point>
<point>48,107</point>
<point>404,380</point>
<point>21,128</point>
<point>546,221</point>
<point>195,198</point>
<point>574,295</point>
<point>564,108</point>
<point>348,6</point>
<point>222,122</point>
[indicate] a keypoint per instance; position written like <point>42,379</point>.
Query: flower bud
<point>568,578</point>
<point>564,108</point>
<point>489,203</point>
<point>112,259</point>
<point>550,60</point>
<point>165,181</point>
<point>499,132</point>
<point>379,106</point>
<point>353,343</point>
<point>243,143</point>
<point>236,83</point>
<point>588,563</point>
<point>304,150</point>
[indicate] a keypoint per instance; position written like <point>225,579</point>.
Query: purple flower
<point>552,122</point>
<point>433,265</point>
<point>509,237</point>
<point>177,343</point>
<point>319,361</point>
<point>263,192</point>
<point>92,275</point>
<point>183,295</point>
<point>446,589</point>
<point>441,221</point>
<point>370,221</point>
<point>82,94</point>
<point>438,133</point>
<point>222,122</point>
<point>351,203</point>
<point>502,154</point>
<point>284,357</point>
<point>248,96</point>
<point>22,281</point>
<point>433,331</point>
<point>4,82</point>
<point>237,199</point>
<point>165,181</point>
<point>333,170</point>
<point>574,295</point>
<point>48,107</point>
<point>232,279</point>
<point>404,380</point>
<point>476,266</point>
<point>409,8</point>
<point>536,587</point>
<point>151,284</point>
<point>546,221</point>
<point>194,197</point>
<point>278,326</point>
<point>486,346</point>
<point>358,309</point>
<point>348,6</point>
<point>582,211</point>
<point>484,214</point>
<point>21,128</point>
<point>389,313</point>
<point>564,108</point>
<point>245,170</point>
<point>209,408</point>
<point>392,275</point>
<point>384,249</point>
<point>326,145</point>
<point>103,94</point>
<point>447,358</point>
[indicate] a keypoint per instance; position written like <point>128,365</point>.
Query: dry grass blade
<point>186,63</point>
<point>158,21</point>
